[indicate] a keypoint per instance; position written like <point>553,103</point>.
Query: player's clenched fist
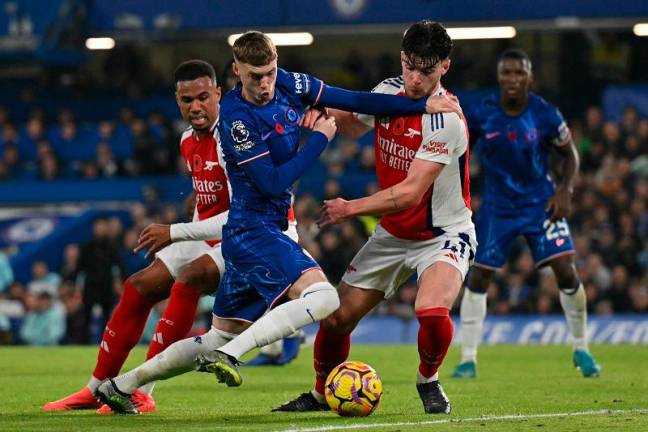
<point>443,103</point>
<point>311,116</point>
<point>326,125</point>
<point>332,212</point>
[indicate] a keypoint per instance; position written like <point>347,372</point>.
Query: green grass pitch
<point>534,388</point>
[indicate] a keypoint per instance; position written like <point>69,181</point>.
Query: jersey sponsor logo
<point>302,83</point>
<point>350,269</point>
<point>279,128</point>
<point>209,186</point>
<point>239,132</point>
<point>436,147</point>
<point>395,155</point>
<point>491,135</point>
<point>411,133</point>
<point>209,165</point>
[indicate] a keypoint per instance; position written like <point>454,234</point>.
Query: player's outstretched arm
<point>156,237</point>
<point>399,197</point>
<point>385,104</point>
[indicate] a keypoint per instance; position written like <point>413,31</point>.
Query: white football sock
<point>274,349</point>
<point>147,388</point>
<point>420,379</point>
<point>93,384</point>
<point>575,309</point>
<point>315,303</point>
<point>176,359</point>
<point>473,314</point>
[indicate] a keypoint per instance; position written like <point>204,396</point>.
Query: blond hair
<point>254,48</point>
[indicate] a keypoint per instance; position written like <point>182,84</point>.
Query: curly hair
<point>426,42</point>
<point>193,69</point>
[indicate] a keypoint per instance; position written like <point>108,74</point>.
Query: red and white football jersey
<point>205,162</point>
<point>440,137</point>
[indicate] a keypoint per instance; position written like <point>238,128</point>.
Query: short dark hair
<point>193,69</point>
<point>254,48</point>
<point>514,54</point>
<point>426,42</point>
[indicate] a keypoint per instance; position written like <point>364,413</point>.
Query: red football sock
<point>434,338</point>
<point>122,332</point>
<point>329,351</point>
<point>177,319</point>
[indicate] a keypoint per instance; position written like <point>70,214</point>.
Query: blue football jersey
<point>514,150</point>
<point>249,132</point>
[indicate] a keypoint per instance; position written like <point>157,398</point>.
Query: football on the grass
<point>353,389</point>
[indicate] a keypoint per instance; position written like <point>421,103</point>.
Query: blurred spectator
<point>75,321</point>
<point>6,273</point>
<point>133,262</point>
<point>48,168</point>
<point>70,268</point>
<point>43,280</point>
<point>44,323</point>
<point>99,267</point>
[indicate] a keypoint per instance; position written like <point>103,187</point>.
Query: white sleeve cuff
<point>207,229</point>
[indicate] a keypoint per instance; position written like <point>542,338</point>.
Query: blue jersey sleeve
<point>312,91</point>
<point>473,119</point>
<point>557,130</point>
<point>379,104</point>
<point>306,88</point>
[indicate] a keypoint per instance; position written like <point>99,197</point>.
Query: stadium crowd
<point>609,220</point>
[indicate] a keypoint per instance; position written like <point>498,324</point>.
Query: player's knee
<point>567,279</point>
<point>143,287</point>
<point>480,279</point>
<point>340,322</point>
<point>323,299</point>
<point>199,278</point>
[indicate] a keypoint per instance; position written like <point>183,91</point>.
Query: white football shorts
<point>386,262</point>
<point>179,254</point>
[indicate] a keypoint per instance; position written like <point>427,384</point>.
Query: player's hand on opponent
<point>154,237</point>
<point>559,205</point>
<point>311,116</point>
<point>332,212</point>
<point>326,125</point>
<point>443,103</point>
